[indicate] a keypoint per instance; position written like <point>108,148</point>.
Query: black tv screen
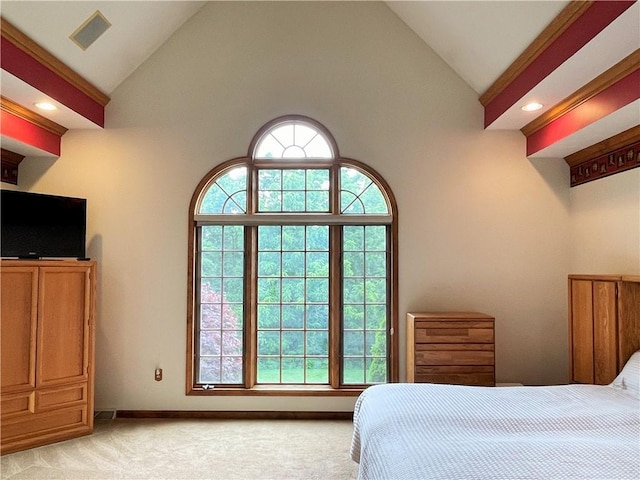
<point>34,225</point>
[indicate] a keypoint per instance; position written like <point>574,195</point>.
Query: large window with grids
<point>292,270</point>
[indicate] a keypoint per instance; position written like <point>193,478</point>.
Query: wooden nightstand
<point>451,347</point>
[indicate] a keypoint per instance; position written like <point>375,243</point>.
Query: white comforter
<point>426,431</point>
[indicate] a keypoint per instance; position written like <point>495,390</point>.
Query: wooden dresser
<point>451,347</point>
<point>47,329</point>
<point>604,325</point>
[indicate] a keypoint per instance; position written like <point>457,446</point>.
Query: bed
<point>430,431</point>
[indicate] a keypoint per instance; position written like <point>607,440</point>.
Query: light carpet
<point>195,449</point>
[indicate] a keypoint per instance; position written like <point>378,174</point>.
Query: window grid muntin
<point>365,358</point>
<point>307,219</point>
<point>228,190</point>
<point>306,356</point>
<point>351,198</point>
<point>346,198</point>
<point>283,191</point>
<point>220,355</point>
<point>333,219</point>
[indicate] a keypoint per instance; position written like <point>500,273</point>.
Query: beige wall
<point>605,225</point>
<point>481,227</point>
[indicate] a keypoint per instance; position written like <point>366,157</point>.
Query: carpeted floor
<point>162,449</point>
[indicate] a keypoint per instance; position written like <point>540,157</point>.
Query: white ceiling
<point>137,29</point>
<point>478,39</point>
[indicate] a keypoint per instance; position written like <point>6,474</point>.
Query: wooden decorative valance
<point>614,155</point>
<point>10,162</point>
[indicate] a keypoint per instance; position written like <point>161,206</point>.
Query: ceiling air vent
<point>90,30</point>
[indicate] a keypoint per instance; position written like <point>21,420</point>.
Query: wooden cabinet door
<point>63,325</point>
<point>18,317</point>
<point>582,331</point>
<point>605,351</point>
<point>628,318</point>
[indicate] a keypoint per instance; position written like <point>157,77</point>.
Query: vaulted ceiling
<point>579,59</point>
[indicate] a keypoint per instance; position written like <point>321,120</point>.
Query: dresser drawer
<point>454,357</point>
<point>58,397</point>
<point>456,375</point>
<point>458,332</point>
<point>44,428</point>
<point>17,404</point>
<point>474,379</point>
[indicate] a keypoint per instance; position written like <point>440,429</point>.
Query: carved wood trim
<point>605,147</point>
<point>613,155</point>
<point>31,48</point>
<point>10,162</point>
<point>603,81</point>
<point>557,27</point>
<point>11,157</point>
<point>31,116</point>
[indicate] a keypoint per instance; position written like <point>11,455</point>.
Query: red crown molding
<point>30,116</point>
<point>558,25</point>
<point>599,84</point>
<point>616,96</point>
<point>35,51</point>
<point>25,59</point>
<point>25,131</point>
<point>573,28</point>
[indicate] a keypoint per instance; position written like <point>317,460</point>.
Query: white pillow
<point>629,378</point>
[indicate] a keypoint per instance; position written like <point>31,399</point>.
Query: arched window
<point>292,270</point>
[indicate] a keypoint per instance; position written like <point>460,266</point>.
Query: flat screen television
<point>34,225</point>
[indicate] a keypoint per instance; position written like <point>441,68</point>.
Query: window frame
<point>251,222</point>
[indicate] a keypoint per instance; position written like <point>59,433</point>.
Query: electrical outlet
<point>158,374</point>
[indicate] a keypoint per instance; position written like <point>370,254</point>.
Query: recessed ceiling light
<point>46,106</point>
<point>532,107</point>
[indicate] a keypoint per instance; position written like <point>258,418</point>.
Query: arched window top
<point>293,138</point>
<point>292,185</point>
<point>292,270</point>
